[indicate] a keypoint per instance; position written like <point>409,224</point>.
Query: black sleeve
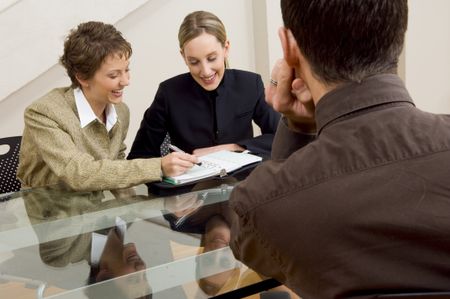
<point>153,129</point>
<point>267,119</point>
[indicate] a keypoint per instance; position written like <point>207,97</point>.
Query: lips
<point>117,93</point>
<point>210,79</point>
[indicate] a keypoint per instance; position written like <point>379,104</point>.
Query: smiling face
<point>217,236</point>
<point>107,84</point>
<point>122,262</point>
<point>118,259</point>
<point>205,57</point>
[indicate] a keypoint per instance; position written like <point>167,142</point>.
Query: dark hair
<point>87,46</point>
<point>348,40</point>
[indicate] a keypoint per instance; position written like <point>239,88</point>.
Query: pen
<point>177,149</point>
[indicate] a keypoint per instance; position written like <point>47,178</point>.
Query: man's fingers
<point>302,93</point>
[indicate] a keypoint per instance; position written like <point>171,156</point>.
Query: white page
<point>214,164</point>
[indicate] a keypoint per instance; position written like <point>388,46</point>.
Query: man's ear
<point>291,50</point>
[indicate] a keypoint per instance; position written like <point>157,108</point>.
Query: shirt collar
<point>99,240</point>
<point>87,115</point>
<point>349,98</point>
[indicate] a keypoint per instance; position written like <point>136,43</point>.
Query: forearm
<point>56,152</point>
<point>287,140</point>
<point>261,144</point>
<point>86,174</point>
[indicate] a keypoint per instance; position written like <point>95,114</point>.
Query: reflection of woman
<point>118,259</point>
<point>216,236</point>
<point>83,239</point>
<point>75,135</point>
<point>210,108</point>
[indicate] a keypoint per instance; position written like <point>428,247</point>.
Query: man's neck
<point>316,87</point>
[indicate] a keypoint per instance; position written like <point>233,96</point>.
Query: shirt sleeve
<point>287,141</point>
<point>246,243</point>
<point>153,129</point>
<point>267,120</point>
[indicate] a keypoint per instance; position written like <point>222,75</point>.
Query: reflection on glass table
<point>120,244</point>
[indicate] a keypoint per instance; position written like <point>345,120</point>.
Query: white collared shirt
<point>99,240</point>
<point>86,113</point>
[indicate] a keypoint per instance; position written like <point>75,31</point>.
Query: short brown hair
<point>87,46</point>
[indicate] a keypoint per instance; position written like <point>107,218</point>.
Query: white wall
<point>427,54</point>
<point>274,22</point>
<point>39,30</point>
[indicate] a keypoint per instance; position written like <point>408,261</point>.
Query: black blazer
<point>185,110</point>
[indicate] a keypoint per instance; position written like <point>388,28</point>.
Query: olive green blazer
<point>56,150</point>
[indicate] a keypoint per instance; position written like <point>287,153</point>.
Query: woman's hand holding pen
<point>177,163</point>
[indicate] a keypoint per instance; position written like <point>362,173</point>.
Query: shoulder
<point>123,112</point>
<point>58,99</point>
<point>122,108</point>
<point>182,79</point>
<point>243,81</point>
<point>239,75</point>
<point>240,82</point>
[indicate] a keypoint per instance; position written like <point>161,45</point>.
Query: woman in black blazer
<point>210,108</point>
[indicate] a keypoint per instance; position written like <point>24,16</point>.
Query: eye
<point>193,62</point>
<point>211,59</point>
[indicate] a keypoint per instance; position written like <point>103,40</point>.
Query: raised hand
<point>290,96</point>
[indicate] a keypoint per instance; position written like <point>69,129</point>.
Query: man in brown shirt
<point>356,199</point>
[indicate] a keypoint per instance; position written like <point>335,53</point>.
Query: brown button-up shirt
<point>363,208</point>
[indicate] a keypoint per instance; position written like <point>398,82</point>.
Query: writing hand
<point>177,163</point>
<point>184,204</point>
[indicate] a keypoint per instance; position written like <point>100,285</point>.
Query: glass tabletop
<point>125,243</point>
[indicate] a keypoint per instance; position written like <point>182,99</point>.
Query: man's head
<point>346,40</point>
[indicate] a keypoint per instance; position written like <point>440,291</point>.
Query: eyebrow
<point>117,70</point>
<point>209,54</point>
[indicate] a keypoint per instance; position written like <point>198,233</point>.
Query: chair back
<point>9,161</point>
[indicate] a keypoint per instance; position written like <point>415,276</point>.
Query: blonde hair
<point>199,22</point>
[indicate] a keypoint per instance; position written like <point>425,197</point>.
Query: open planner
<point>216,164</point>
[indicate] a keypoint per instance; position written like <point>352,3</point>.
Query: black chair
<point>8,164</point>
